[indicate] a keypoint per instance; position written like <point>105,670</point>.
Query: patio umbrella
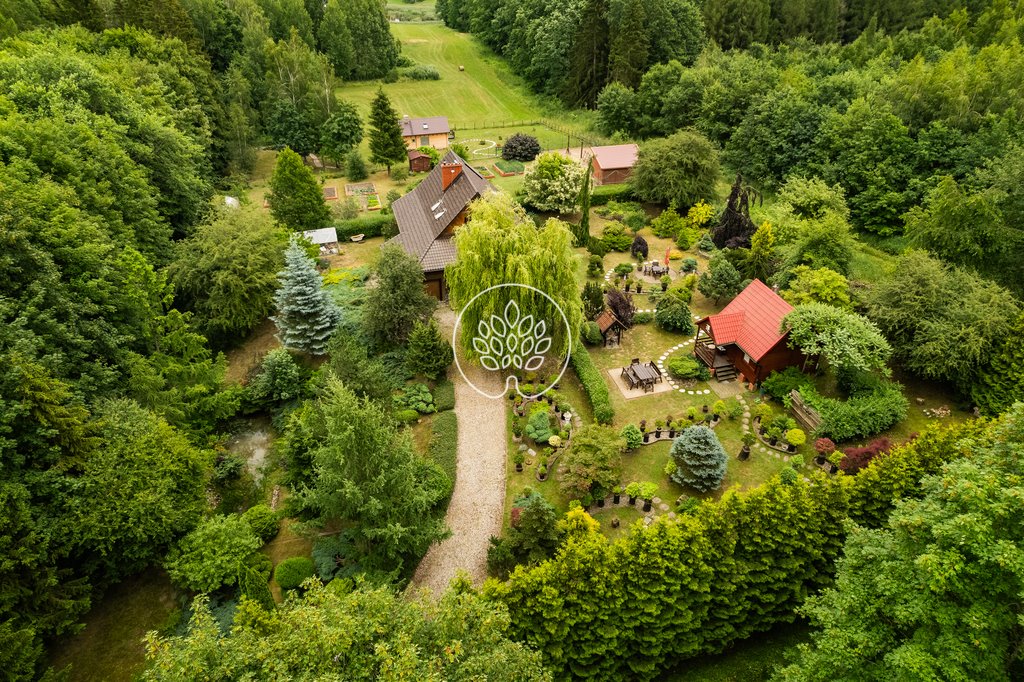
<point>667,251</point>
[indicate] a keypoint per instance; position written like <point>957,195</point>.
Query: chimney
<point>449,172</point>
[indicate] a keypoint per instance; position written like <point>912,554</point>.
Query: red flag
<point>667,251</point>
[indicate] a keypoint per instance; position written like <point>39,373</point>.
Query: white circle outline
<point>509,379</point>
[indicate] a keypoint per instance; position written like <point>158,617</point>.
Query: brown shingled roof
<point>424,213</point>
<point>433,125</point>
<point>606,320</point>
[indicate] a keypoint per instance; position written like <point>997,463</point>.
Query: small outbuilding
<point>611,328</point>
<point>613,164</point>
<point>418,161</point>
<point>326,238</point>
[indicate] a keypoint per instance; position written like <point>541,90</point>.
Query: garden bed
<point>509,168</point>
<point>372,202</point>
<point>484,171</point>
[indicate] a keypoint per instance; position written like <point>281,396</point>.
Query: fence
<point>573,138</point>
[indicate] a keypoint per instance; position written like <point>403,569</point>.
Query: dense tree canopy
<point>682,169</point>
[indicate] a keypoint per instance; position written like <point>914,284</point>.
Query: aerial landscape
<point>507,340</point>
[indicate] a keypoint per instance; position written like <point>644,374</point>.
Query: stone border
<point>668,377</point>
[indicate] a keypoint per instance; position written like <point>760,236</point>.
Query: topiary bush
<point>290,573</point>
<point>700,459</point>
<point>632,435</point>
<point>688,367</point>
<point>615,237</point>
<point>263,520</point>
<point>520,147</point>
<point>591,333</point>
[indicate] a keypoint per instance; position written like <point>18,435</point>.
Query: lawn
<point>485,94</point>
<point>110,647</point>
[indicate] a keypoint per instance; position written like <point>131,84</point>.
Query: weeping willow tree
<point>501,245</point>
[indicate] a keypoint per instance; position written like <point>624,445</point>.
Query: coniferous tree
<point>254,586</point>
<point>306,317</point>
<point>1000,383</point>
<point>593,300</point>
<point>386,143</point>
<point>378,50</point>
<point>429,353</point>
<point>762,260</point>
<point>581,232</point>
<point>295,198</point>
<point>630,44</point>
<point>722,280</point>
<point>700,459</point>
<point>588,70</point>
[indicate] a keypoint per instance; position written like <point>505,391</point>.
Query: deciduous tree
<point>295,198</point>
<point>593,462</point>
<point>342,132</point>
<point>845,339</point>
<point>553,184</point>
<point>398,301</point>
<point>210,556</point>
<point>682,168</point>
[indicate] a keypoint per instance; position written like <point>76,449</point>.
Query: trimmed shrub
<point>593,384</point>
<point>615,237</point>
<point>376,225</point>
<point>779,384</point>
<point>406,416</point>
<point>643,318</point>
<point>591,333</point>
<point>861,415</point>
<point>278,380</point>
<point>855,459</point>
<point>444,443</point>
<point>673,312</point>
<point>688,367</point>
<point>416,397</point>
<point>263,520</point>
<point>520,147</point>
<point>290,573</point>
<point>539,426</point>
<point>632,435</point>
<point>604,194</point>
<point>444,396</point>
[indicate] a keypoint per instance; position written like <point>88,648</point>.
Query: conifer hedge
<point>694,585</point>
<point>593,384</point>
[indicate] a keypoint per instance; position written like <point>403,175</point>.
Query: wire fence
<point>573,138</point>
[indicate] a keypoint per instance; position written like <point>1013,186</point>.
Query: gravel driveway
<point>474,514</point>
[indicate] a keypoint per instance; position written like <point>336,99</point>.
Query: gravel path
<point>474,514</point>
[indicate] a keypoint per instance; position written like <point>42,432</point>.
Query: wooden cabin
<point>613,164</point>
<point>744,339</point>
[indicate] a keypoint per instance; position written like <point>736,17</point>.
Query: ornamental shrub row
<point>601,195</point>
<point>861,415</point>
<point>376,225</point>
<point>593,384</point>
<point>444,442</point>
<point>694,585</point>
<point>444,395</point>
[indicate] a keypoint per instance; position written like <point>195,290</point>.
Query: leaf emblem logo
<point>512,341</point>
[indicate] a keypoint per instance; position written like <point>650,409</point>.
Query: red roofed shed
<point>744,338</point>
<point>613,164</point>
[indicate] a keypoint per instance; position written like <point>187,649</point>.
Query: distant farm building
<point>426,132</point>
<point>745,339</point>
<point>613,164</point>
<point>418,161</point>
<point>428,217</point>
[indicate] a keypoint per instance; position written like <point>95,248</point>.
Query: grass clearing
<point>110,647</point>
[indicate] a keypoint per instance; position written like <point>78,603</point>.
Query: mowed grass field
<point>485,95</point>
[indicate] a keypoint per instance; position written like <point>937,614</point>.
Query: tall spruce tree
<point>306,317</point>
<point>386,143</point>
<point>581,230</point>
<point>295,198</point>
<point>588,70</point>
<point>630,46</point>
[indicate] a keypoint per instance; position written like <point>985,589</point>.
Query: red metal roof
<point>615,156</point>
<point>751,320</point>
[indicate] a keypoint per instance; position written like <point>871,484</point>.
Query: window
<point>424,140</point>
<point>746,359</point>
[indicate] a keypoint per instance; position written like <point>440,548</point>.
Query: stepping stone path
<point>671,382</point>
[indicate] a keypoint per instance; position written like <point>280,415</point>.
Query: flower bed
<point>373,202</point>
<point>484,171</point>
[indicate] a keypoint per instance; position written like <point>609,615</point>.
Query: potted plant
<point>628,284</point>
<point>718,409</point>
<point>643,426</point>
<point>616,494</point>
<point>824,447</point>
<point>761,413</point>
<point>555,442</point>
<point>665,281</point>
<point>639,287</point>
<point>705,408</point>
<point>833,459</point>
<point>632,492</point>
<point>512,395</point>
<point>542,472</point>
<point>599,497</point>
<point>587,500</point>
<point>669,468</point>
<point>658,424</point>
<point>615,522</point>
<point>647,493</point>
<point>709,419</point>
<point>554,381</point>
<point>517,431</point>
<point>795,438</point>
<point>774,433</point>
<point>796,461</point>
<point>518,458</point>
<point>748,439</point>
<point>691,413</point>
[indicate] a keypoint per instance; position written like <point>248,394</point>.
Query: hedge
<point>593,384</point>
<point>444,395</point>
<point>859,416</point>
<point>721,577</point>
<point>376,225</point>
<point>444,442</point>
<point>602,194</point>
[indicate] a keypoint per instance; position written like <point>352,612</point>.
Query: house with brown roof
<point>426,132</point>
<point>429,215</point>
<point>613,164</point>
<point>745,339</point>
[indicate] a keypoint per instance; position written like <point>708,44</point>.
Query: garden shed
<point>418,161</point>
<point>611,328</point>
<point>745,339</point>
<point>613,164</point>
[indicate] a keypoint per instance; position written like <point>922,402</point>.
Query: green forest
<point>159,303</point>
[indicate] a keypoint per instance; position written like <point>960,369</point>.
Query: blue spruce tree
<point>306,318</point>
<point>700,459</point>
